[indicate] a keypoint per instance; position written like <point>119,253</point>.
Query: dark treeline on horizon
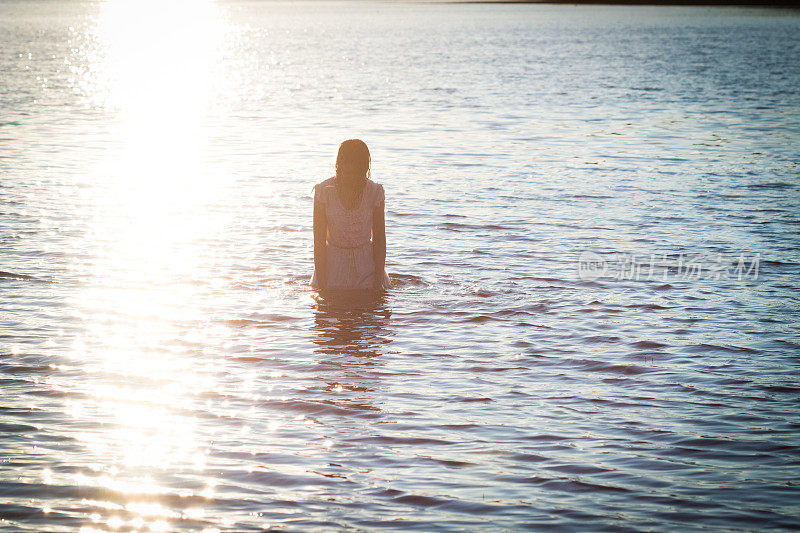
<point>742,3</point>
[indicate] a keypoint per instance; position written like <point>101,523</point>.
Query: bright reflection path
<point>155,67</point>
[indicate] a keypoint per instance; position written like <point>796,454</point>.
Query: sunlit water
<point>165,367</point>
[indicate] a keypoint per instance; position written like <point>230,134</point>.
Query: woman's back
<point>349,227</point>
<point>349,235</point>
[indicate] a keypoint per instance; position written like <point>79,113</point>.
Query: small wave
<point>406,280</point>
<point>328,475</point>
<point>528,457</point>
<point>457,226</point>
<point>7,429</point>
<point>590,365</point>
<point>420,501</point>
<point>446,462</point>
<point>578,469</point>
<point>385,439</point>
<point>771,185</point>
<point>482,293</point>
<point>783,389</point>
<point>239,322</point>
<point>308,408</point>
<point>525,310</point>
<point>770,262</point>
<point>25,277</point>
<point>286,228</point>
<point>702,348</point>
<point>264,321</point>
<point>448,90</point>
<point>587,283</point>
<point>247,358</point>
<point>571,485</point>
<point>10,511</point>
<point>546,438</point>
<point>481,319</point>
<point>601,339</point>
<point>647,345</point>
<point>24,370</point>
<point>590,196</point>
<point>98,493</point>
<point>495,368</point>
<point>473,400</point>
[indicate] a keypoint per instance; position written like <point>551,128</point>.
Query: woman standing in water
<point>349,225</point>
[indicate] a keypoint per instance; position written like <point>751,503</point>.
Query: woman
<point>349,225</point>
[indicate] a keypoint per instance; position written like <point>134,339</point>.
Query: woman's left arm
<point>379,243</point>
<point>320,247</point>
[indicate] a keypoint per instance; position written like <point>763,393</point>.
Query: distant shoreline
<point>686,3</point>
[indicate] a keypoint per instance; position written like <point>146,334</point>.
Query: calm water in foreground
<point>165,367</point>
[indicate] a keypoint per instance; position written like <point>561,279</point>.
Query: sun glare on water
<point>156,67</point>
<point>159,69</point>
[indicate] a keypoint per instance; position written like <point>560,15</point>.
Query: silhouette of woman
<point>349,226</point>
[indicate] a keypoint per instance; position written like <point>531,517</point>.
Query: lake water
<point>592,221</point>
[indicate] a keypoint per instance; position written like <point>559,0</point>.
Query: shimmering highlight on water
<point>165,367</point>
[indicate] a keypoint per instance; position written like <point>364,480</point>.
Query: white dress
<point>349,261</point>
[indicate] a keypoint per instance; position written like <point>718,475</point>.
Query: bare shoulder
<point>325,184</point>
<point>377,194</point>
<point>321,190</point>
<point>374,186</point>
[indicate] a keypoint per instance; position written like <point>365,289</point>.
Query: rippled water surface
<point>592,217</point>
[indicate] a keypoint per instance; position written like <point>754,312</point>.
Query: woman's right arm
<point>379,240</point>
<point>320,238</point>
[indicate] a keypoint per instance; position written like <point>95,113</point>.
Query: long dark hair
<point>352,170</point>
